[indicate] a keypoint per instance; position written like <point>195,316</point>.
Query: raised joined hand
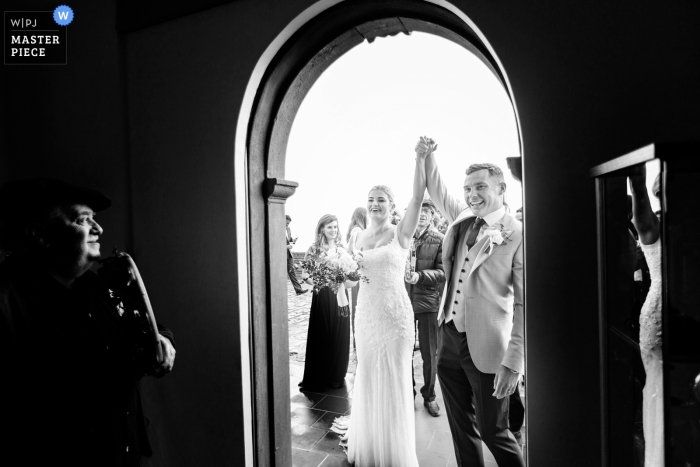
<point>638,176</point>
<point>425,147</point>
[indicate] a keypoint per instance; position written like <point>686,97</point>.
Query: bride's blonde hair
<point>387,190</point>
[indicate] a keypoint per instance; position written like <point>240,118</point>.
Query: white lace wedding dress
<point>382,423</point>
<point>650,345</point>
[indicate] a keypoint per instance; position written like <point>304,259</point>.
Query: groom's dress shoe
<point>433,408</point>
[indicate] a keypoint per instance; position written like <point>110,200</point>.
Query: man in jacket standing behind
<point>424,283</point>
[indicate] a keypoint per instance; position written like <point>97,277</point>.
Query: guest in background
<point>424,285</point>
<point>358,223</point>
<point>395,217</point>
<point>290,261</point>
<point>437,220</point>
<point>519,214</point>
<point>328,339</point>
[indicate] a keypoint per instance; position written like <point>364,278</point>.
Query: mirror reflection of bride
<point>648,228</point>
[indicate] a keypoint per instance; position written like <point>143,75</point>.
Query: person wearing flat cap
<point>424,283</point>
<point>69,388</point>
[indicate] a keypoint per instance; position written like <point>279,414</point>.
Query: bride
<point>650,319</point>
<point>382,424</point>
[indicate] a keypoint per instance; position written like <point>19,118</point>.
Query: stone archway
<point>287,80</point>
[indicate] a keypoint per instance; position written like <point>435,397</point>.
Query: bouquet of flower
<point>336,269</point>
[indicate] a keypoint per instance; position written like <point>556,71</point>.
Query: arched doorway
<point>290,75</point>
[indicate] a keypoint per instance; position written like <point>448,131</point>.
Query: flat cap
<point>428,202</point>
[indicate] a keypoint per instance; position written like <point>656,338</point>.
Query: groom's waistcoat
<point>457,297</point>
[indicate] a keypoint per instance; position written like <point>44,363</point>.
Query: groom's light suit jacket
<point>494,319</point>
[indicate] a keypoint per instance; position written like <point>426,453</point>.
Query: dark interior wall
<point>68,121</point>
<point>187,78</point>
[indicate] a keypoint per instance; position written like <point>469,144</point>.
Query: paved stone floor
<point>314,445</point>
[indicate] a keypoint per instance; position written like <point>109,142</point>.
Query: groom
<point>481,349</point>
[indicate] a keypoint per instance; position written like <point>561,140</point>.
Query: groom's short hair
<point>495,171</point>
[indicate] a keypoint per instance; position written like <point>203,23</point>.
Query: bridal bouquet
<point>336,269</point>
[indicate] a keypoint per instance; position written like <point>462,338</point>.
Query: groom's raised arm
<point>449,206</point>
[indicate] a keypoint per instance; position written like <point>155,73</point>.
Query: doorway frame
<point>286,80</point>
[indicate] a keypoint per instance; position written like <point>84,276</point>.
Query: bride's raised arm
<point>407,225</point>
<point>643,217</point>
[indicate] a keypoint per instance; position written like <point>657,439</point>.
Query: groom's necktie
<point>474,232</point>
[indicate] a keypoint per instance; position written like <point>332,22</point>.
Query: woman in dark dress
<point>328,340</point>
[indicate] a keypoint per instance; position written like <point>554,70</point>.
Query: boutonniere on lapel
<point>497,235</point>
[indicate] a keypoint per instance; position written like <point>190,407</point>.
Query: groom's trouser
<point>473,413</point>
<point>427,342</point>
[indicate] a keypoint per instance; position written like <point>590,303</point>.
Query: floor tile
<point>425,420</point>
<point>452,462</point>
<point>330,445</point>
<point>326,420</point>
<point>301,458</point>
<point>333,404</point>
<point>442,441</point>
<point>423,437</point>
<point>304,416</point>
<point>304,437</point>
<point>332,461</point>
<point>428,458</point>
<point>314,397</point>
<point>300,400</point>
<point>339,392</point>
